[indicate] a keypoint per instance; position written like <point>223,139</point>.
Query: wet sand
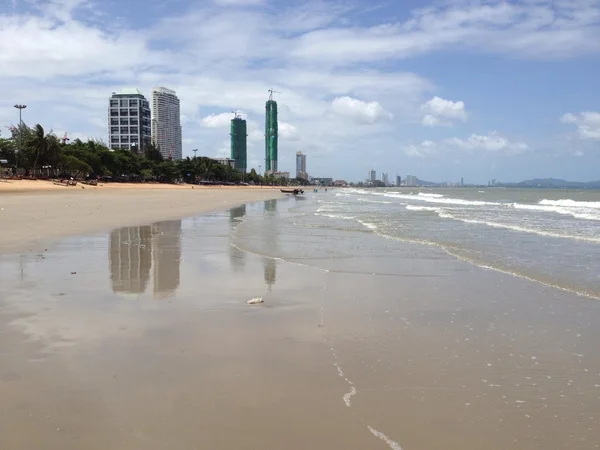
<point>38,211</point>
<point>150,344</point>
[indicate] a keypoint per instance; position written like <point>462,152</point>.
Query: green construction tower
<point>239,152</point>
<point>271,135</point>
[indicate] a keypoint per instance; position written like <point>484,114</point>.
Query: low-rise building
<point>225,161</point>
<point>323,181</point>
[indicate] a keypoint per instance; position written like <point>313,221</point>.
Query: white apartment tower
<point>301,166</point>
<point>166,123</point>
<point>128,120</point>
<point>372,175</point>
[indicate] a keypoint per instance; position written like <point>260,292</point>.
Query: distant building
<point>166,123</point>
<point>493,182</point>
<point>372,175</point>
<point>411,180</point>
<point>398,180</point>
<point>285,175</point>
<point>323,181</point>
<point>238,143</point>
<point>225,161</point>
<point>462,182</point>
<point>340,183</point>
<point>384,178</point>
<point>271,135</point>
<point>128,120</point>
<point>301,166</point>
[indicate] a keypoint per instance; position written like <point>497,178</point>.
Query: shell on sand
<point>255,301</point>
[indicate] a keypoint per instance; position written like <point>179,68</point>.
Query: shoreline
<point>36,186</point>
<point>35,217</point>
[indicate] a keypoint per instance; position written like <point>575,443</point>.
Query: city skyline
<point>506,91</point>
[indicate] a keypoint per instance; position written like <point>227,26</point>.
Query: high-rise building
<point>462,182</point>
<point>384,178</point>
<point>411,180</point>
<point>166,123</point>
<point>128,120</point>
<point>239,152</point>
<point>271,135</point>
<point>301,166</point>
<point>398,180</point>
<point>372,175</point>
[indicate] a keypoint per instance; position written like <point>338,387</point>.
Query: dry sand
<point>33,212</point>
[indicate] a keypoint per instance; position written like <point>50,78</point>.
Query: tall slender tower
<point>271,134</point>
<point>238,143</point>
<point>166,124</point>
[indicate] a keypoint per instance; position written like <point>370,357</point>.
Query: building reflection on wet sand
<point>270,230</point>
<point>135,252</point>
<point>237,258</point>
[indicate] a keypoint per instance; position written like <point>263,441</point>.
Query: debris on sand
<point>255,301</point>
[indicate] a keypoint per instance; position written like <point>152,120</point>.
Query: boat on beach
<point>292,191</point>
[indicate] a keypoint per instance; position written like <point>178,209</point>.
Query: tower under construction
<point>271,134</point>
<point>238,143</point>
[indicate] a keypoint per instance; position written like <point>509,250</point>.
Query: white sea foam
<point>426,194</point>
<point>422,208</point>
<point>570,203</point>
<point>369,225</point>
<point>446,215</point>
<point>584,213</point>
<point>392,444</point>
<point>366,200</point>
<point>335,216</point>
<point>440,200</point>
<point>348,396</point>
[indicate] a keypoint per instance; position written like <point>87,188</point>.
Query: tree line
<point>32,152</point>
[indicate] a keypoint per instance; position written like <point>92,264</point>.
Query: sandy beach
<point>133,332</point>
<point>34,212</point>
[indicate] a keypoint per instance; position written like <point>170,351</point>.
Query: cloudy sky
<point>442,90</point>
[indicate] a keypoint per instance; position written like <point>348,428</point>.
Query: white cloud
<point>360,111</point>
<point>63,64</point>
<point>422,150</point>
<point>493,142</point>
<point>440,112</point>
<point>288,131</point>
<point>543,29</point>
<point>256,135</point>
<point>588,123</point>
<point>221,120</point>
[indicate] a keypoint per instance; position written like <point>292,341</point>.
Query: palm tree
<point>40,143</point>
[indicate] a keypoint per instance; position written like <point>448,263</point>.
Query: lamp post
<point>20,108</point>
<point>259,174</point>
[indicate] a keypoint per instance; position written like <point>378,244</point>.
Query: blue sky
<point>442,90</point>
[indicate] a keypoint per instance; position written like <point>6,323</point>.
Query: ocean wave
<point>446,215</point>
<point>426,194</point>
<point>570,203</point>
<point>335,216</point>
<point>439,200</point>
<point>366,200</point>
<point>578,212</point>
<point>422,208</point>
